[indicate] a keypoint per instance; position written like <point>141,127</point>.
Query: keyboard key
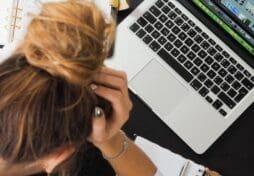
<point>195,48</point>
<point>241,94</point>
<point>202,54</point>
<point>163,18</point>
<point>216,66</point>
<point>178,43</point>
<point>225,86</point>
<point>169,46</point>
<point>189,42</point>
<point>149,28</point>
<point>171,5</point>
<point>182,36</point>
<point>198,62</point>
<point>203,91</point>
<point>209,60</point>
<point>176,30</point>
<point>225,99</point>
<point>181,58</point>
<point>159,3</point>
<point>236,85</point>
<point>184,49</point>
<point>179,21</point>
<point>218,48</point>
<point>232,69</point>
<point>142,22</point>
<point>165,9</point>
<point>239,76</point>
<point>209,99</point>
<point>171,37</point>
<point>185,27</point>
<point>247,73</point>
<point>196,84</point>
<point>218,57</point>
<point>158,25</point>
<point>198,29</point>
<point>205,35</point>
<point>205,45</point>
<point>172,15</point>
<point>165,31</point>
<point>185,17</point>
<point>211,51</point>
<point>192,33</point>
<point>155,46</point>
<point>188,64</point>
<point>212,42</point>
<point>217,104</point>
<point>198,39</point>
<point>135,27</point>
<point>191,55</point>
<point>147,39</point>
<point>232,93</point>
<point>169,24</point>
<point>155,34</point>
<point>149,17</point>
<point>155,11</point>
<point>252,79</point>
<point>178,11</point>
<point>232,60</point>
<point>218,80</point>
<point>190,22</point>
<point>162,40</point>
<point>229,79</point>
<point>225,63</point>
<point>141,33</point>
<point>195,70</point>
<point>211,74</point>
<point>240,67</point>
<point>175,52</point>
<point>208,83</point>
<point>225,53</point>
<point>215,90</point>
<point>222,72</point>
<point>247,83</point>
<point>175,65</point>
<point>202,77</point>
<point>223,112</point>
<point>204,68</point>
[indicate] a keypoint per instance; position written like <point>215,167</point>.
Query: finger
<point>113,72</point>
<point>111,81</point>
<point>99,124</point>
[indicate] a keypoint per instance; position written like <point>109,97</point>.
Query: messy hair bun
<point>69,40</point>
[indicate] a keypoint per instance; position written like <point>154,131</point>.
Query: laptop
<point>183,71</point>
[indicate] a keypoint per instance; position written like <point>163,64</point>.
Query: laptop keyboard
<point>197,58</point>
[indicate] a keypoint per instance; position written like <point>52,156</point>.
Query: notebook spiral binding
<point>14,18</point>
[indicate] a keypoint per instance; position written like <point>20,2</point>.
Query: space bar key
<point>175,65</point>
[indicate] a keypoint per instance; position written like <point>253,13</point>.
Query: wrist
<point>114,146</point>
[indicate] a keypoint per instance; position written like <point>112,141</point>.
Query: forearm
<point>132,162</point>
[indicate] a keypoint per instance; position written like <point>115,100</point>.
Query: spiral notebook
<point>167,162</point>
<point>15,15</point>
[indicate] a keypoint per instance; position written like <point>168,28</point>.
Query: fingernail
<point>98,112</point>
<point>93,86</point>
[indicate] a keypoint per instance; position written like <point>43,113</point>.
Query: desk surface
<point>232,154</point>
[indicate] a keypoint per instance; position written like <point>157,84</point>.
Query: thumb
<point>99,125</point>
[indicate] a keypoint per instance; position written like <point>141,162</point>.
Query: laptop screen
<point>242,11</point>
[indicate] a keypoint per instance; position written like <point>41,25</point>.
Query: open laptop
<point>187,75</point>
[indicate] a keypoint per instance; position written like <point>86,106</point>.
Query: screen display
<point>242,11</point>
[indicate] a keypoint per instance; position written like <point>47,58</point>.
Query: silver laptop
<point>187,75</point>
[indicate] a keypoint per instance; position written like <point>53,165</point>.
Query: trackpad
<point>159,89</point>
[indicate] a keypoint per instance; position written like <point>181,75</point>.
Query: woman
<point>58,101</point>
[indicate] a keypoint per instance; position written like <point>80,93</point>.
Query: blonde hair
<point>46,101</point>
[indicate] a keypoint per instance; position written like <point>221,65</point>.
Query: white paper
<point>167,162</point>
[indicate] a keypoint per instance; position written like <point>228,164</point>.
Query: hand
<point>111,85</point>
